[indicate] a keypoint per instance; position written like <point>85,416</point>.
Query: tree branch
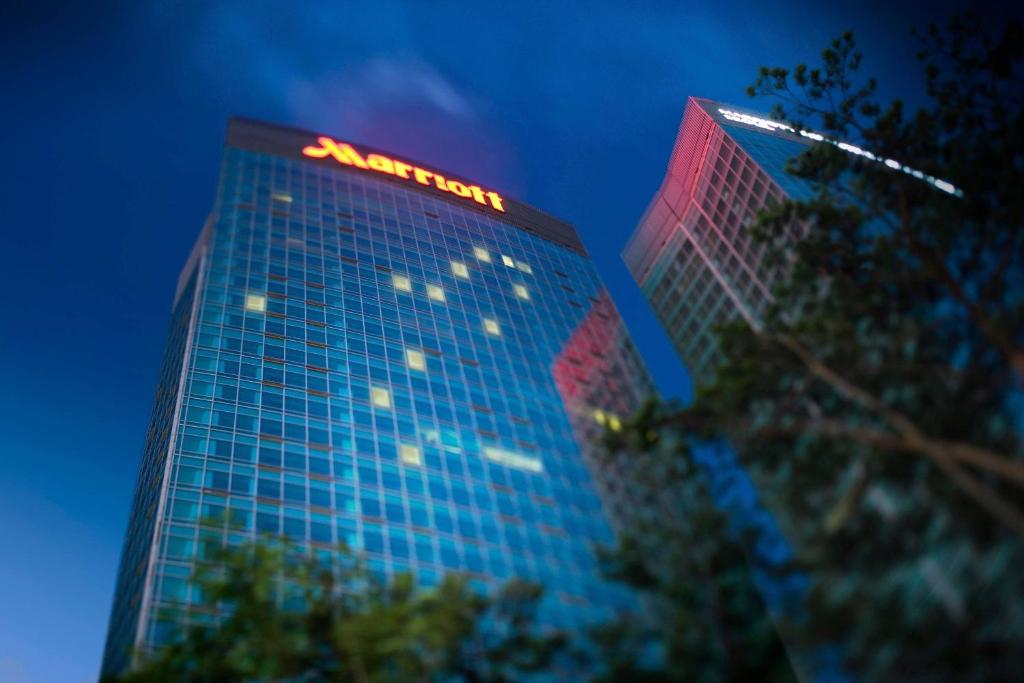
<point>944,457</point>
<point>961,452</point>
<point>982,458</point>
<point>984,496</point>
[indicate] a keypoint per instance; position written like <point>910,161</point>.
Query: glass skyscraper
<point>691,254</point>
<point>697,265</point>
<point>364,350</point>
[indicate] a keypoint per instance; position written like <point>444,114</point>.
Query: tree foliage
<point>878,402</point>
<point>272,613</point>
<point>707,621</point>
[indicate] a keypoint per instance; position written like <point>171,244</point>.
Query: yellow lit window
<point>491,326</point>
<point>599,417</point>
<point>255,302</point>
<point>482,254</point>
<point>415,360</point>
<point>282,197</point>
<point>381,397</point>
<point>521,291</point>
<point>525,267</point>
<point>614,423</point>
<point>410,455</point>
<point>434,292</point>
<point>507,260</point>
<point>460,269</point>
<point>401,283</point>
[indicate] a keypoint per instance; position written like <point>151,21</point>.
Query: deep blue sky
<point>113,122</point>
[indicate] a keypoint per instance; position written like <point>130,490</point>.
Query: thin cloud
<point>12,671</point>
<point>353,97</point>
<point>301,66</point>
<point>412,78</point>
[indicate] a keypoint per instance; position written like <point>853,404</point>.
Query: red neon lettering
<point>422,176</point>
<point>344,153</point>
<point>458,188</point>
<point>402,169</point>
<point>381,163</point>
<point>495,200</point>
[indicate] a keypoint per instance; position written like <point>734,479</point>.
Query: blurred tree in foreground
<point>879,403</point>
<point>287,617</point>
<point>708,619</point>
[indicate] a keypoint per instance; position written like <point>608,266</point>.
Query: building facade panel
<point>601,379</point>
<point>133,572</point>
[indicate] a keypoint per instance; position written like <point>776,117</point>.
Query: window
<point>492,327</point>
<point>415,359</point>
<point>525,267</point>
<point>256,302</point>
<point>482,254</point>
<point>381,397</point>
<point>435,293</point>
<point>460,270</point>
<point>410,455</point>
<point>507,260</point>
<point>401,283</point>
<point>282,197</point>
<point>521,291</point>
<point>512,459</point>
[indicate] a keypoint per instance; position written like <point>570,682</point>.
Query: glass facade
<point>355,358</point>
<point>691,254</point>
<point>697,266</point>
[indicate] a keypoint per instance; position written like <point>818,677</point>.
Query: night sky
<point>113,123</point>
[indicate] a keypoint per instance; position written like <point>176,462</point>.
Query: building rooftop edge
<point>519,213</point>
<point>634,252</point>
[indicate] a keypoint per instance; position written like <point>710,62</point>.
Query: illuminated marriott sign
<point>344,153</point>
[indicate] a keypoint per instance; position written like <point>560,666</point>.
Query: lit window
<point>614,423</point>
<point>482,254</point>
<point>525,267</point>
<point>381,397</point>
<point>507,260</point>
<point>415,359</point>
<point>434,292</point>
<point>512,459</point>
<point>491,326</point>
<point>460,269</point>
<point>281,197</point>
<point>410,455</point>
<point>599,417</point>
<point>255,302</point>
<point>521,291</point>
<point>401,283</point>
